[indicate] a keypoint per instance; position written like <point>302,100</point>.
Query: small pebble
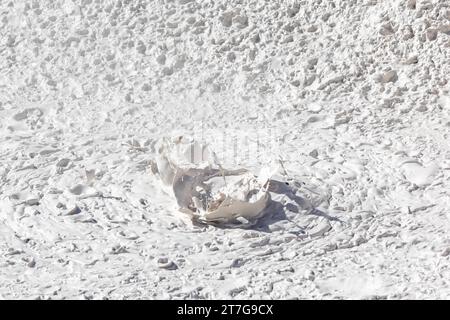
<point>73,211</point>
<point>32,263</point>
<point>309,275</point>
<point>312,28</point>
<point>63,163</point>
<point>431,34</point>
<point>411,4</point>
<point>32,202</point>
<point>389,76</point>
<point>117,249</point>
<point>411,60</point>
<point>314,153</point>
<point>445,28</point>
<point>165,263</point>
<point>446,252</point>
<point>387,29</point>
<point>60,205</point>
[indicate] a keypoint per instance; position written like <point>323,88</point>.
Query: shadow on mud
<point>284,199</point>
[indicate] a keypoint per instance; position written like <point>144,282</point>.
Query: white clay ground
<point>352,96</point>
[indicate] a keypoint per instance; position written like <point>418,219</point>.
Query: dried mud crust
<point>355,94</point>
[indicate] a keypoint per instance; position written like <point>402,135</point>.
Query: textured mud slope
<point>352,96</point>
